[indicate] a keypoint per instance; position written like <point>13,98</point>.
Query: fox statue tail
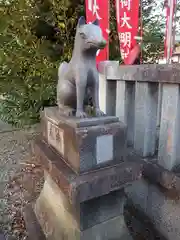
<point>62,69</point>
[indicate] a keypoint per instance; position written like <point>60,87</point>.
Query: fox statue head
<point>89,36</point>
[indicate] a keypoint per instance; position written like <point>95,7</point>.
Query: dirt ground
<point>20,179</point>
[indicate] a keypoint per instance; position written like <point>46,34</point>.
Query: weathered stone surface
<point>98,217</point>
<point>107,95</point>
<point>53,114</point>
<point>33,227</point>
<point>80,202</point>
<point>161,207</point>
<point>114,228</point>
<point>164,212</point>
<point>138,193</point>
<point>146,101</point>
<point>73,206</point>
<point>168,154</point>
<point>156,174</point>
<point>139,225</point>
<point>56,215</point>
<point>157,197</point>
<point>101,209</point>
<point>90,185</point>
<point>83,142</point>
<point>85,214</point>
<point>125,106</point>
<point>164,73</point>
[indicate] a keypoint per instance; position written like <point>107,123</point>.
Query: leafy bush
<point>30,52</point>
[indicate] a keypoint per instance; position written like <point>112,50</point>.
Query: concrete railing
<point>147,99</point>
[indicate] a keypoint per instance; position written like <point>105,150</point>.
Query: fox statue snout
<point>102,44</point>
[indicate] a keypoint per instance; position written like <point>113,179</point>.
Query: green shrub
<point>30,53</point>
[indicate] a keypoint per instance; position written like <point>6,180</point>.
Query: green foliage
<point>114,51</point>
<point>153,23</point>
<point>28,64</point>
<point>177,19</point>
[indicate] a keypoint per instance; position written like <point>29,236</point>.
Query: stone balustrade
<point>147,99</point>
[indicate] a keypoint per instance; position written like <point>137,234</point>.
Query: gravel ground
<point>20,178</point>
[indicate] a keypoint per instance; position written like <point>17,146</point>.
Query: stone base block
<point>82,206</point>
<point>100,218</point>
<point>160,206</point>
<point>139,225</point>
<point>114,228</point>
<point>83,215</point>
<point>85,143</point>
<point>90,185</point>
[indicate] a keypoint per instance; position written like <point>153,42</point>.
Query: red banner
<point>127,14</point>
<point>99,9</point>
<point>168,44</point>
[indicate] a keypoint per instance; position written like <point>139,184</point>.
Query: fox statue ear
<point>96,22</point>
<point>81,21</point>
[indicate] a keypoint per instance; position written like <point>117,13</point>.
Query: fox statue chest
<point>84,72</point>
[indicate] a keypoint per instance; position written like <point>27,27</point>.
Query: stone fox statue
<point>79,78</point>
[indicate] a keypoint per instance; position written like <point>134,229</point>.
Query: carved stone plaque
<point>56,137</point>
<point>104,148</point>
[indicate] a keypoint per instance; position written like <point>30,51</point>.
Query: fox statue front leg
<point>81,84</point>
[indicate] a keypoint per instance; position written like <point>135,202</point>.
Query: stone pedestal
<point>85,143</point>
<point>85,174</point>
